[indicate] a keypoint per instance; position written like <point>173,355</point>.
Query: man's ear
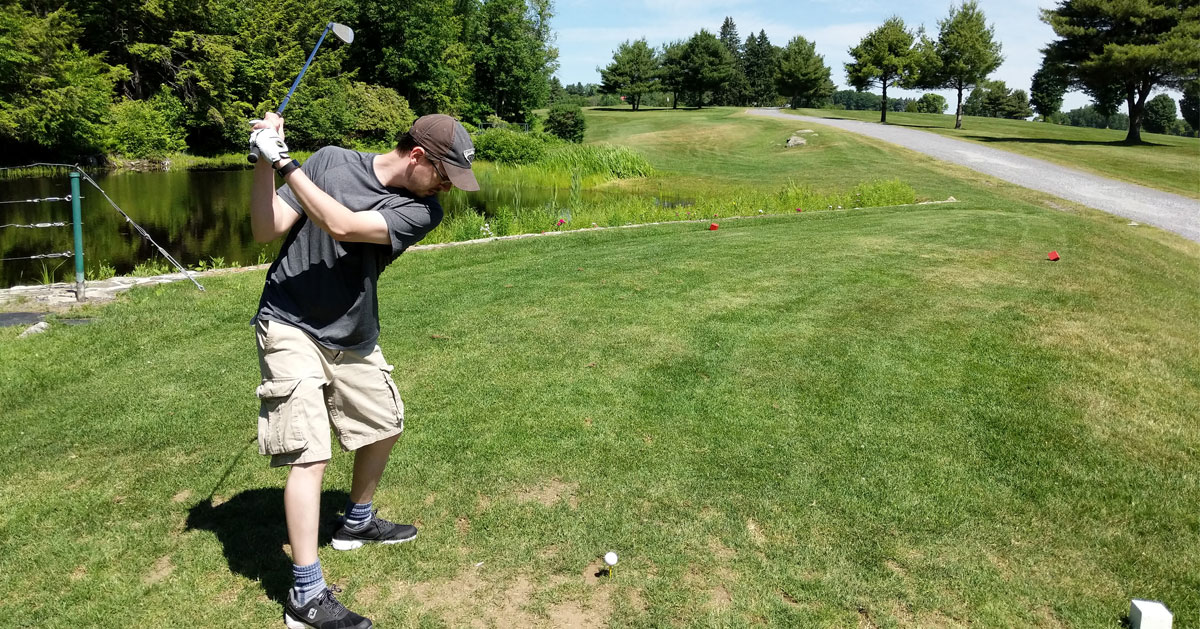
<point>416,153</point>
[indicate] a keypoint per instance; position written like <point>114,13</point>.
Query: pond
<point>197,216</point>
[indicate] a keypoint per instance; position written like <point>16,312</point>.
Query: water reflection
<point>196,216</point>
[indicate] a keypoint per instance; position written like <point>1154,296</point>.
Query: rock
<point>36,328</point>
<point>805,131</point>
<point>796,141</point>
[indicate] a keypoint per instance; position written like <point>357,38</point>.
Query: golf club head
<point>343,32</point>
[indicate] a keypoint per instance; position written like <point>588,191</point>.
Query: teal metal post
<point>77,222</point>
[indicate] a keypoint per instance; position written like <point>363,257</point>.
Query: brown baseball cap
<point>449,143</point>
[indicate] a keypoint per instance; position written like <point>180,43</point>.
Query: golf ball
<point>610,558</point>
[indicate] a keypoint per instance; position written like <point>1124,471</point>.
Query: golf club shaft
<point>253,156</point>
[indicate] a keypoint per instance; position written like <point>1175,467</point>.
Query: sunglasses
<point>441,173</point>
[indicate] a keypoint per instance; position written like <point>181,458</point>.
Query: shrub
<point>509,147</point>
<point>381,114</point>
<point>147,129</point>
<point>931,104</point>
<point>566,121</point>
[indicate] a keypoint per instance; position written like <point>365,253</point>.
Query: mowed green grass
<point>1165,162</point>
<point>884,417</point>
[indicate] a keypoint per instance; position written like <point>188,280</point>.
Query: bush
<point>566,121</point>
<point>147,129</point>
<point>931,104</point>
<point>510,147</point>
<point>381,114</point>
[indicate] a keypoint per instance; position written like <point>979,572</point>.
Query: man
<point>347,215</point>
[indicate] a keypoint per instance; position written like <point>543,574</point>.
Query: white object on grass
<point>610,558</point>
<point>1149,615</point>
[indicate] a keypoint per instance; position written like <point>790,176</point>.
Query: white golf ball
<point>610,558</point>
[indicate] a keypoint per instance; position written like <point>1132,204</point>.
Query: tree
<point>857,101</point>
<point>671,70</point>
<point>1160,114</point>
<point>735,92</point>
<point>759,61</point>
<point>801,74</point>
<point>707,67</point>
<point>1046,92</point>
<point>1089,116</point>
<point>993,99</point>
<point>1126,47</point>
<point>633,72</point>
<point>964,53</point>
<point>885,57</point>
<point>1189,105</point>
<point>931,104</point>
<point>53,95</point>
<point>516,57</point>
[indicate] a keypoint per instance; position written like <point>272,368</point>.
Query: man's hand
<point>269,145</point>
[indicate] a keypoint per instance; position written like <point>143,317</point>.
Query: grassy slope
<point>898,416</point>
<point>1165,162</point>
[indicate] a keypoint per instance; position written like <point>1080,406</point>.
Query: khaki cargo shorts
<point>308,388</point>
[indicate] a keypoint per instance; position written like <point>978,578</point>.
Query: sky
<point>588,31</point>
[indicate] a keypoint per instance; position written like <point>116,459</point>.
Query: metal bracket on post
<point>77,222</point>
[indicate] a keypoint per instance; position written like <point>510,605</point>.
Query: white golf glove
<point>268,145</point>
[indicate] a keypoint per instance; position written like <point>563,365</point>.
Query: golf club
<point>342,32</point>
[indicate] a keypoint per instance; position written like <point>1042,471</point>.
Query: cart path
<point>1171,212</point>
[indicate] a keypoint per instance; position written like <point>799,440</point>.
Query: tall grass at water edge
<point>570,213</point>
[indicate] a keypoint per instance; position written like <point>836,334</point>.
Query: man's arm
<point>334,218</point>
<point>271,216</point>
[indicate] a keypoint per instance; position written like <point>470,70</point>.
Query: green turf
<point>1165,162</point>
<point>882,417</point>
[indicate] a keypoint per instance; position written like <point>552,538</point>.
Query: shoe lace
<point>328,602</point>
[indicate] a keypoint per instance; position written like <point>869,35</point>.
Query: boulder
<point>796,140</point>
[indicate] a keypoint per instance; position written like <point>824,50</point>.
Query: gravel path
<point>1139,203</point>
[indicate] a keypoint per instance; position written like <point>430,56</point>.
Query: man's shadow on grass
<point>252,529</point>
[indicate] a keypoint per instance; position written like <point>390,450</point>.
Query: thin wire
<point>66,198</point>
<point>139,228</point>
<point>36,225</point>
<point>65,254</point>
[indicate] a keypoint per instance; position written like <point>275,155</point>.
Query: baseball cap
<point>449,143</point>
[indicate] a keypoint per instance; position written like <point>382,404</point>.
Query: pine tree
<point>1124,49</point>
<point>801,74</point>
<point>964,53</point>
<point>885,57</point>
<point>633,72</point>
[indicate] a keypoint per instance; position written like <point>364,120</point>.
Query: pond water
<point>196,216</point>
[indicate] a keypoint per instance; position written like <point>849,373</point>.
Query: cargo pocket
<point>280,420</point>
<point>397,405</point>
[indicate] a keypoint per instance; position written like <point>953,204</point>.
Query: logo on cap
<point>470,155</point>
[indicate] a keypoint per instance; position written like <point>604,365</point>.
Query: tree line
<point>145,78</point>
<point>1114,50</point>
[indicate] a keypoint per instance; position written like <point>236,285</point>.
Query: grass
<point>1165,162</point>
<point>884,417</point>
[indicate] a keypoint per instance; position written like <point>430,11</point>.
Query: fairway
<point>1165,162</point>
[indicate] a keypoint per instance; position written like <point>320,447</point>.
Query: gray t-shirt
<point>328,288</point>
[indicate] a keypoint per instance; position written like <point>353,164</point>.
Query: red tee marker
<point>1053,256</point>
<point>712,227</point>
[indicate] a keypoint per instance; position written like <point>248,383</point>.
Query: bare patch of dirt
<point>462,525</point>
<point>864,619</point>
<point>896,568</point>
<point>429,500</point>
<point>367,596</point>
<point>483,503</point>
<point>78,573</point>
<point>789,599</point>
<point>594,612</point>
<point>160,571</point>
<point>595,572</point>
<point>182,496</point>
<point>548,552</point>
<point>718,549</point>
<point>937,620</point>
<point>229,596</point>
<point>755,531</point>
<point>550,492</point>
<point>719,598</point>
<point>637,602</point>
<point>1047,618</point>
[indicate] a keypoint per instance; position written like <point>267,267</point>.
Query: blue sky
<point>588,31</point>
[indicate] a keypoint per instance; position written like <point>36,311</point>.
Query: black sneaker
<point>322,612</point>
<point>374,531</point>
